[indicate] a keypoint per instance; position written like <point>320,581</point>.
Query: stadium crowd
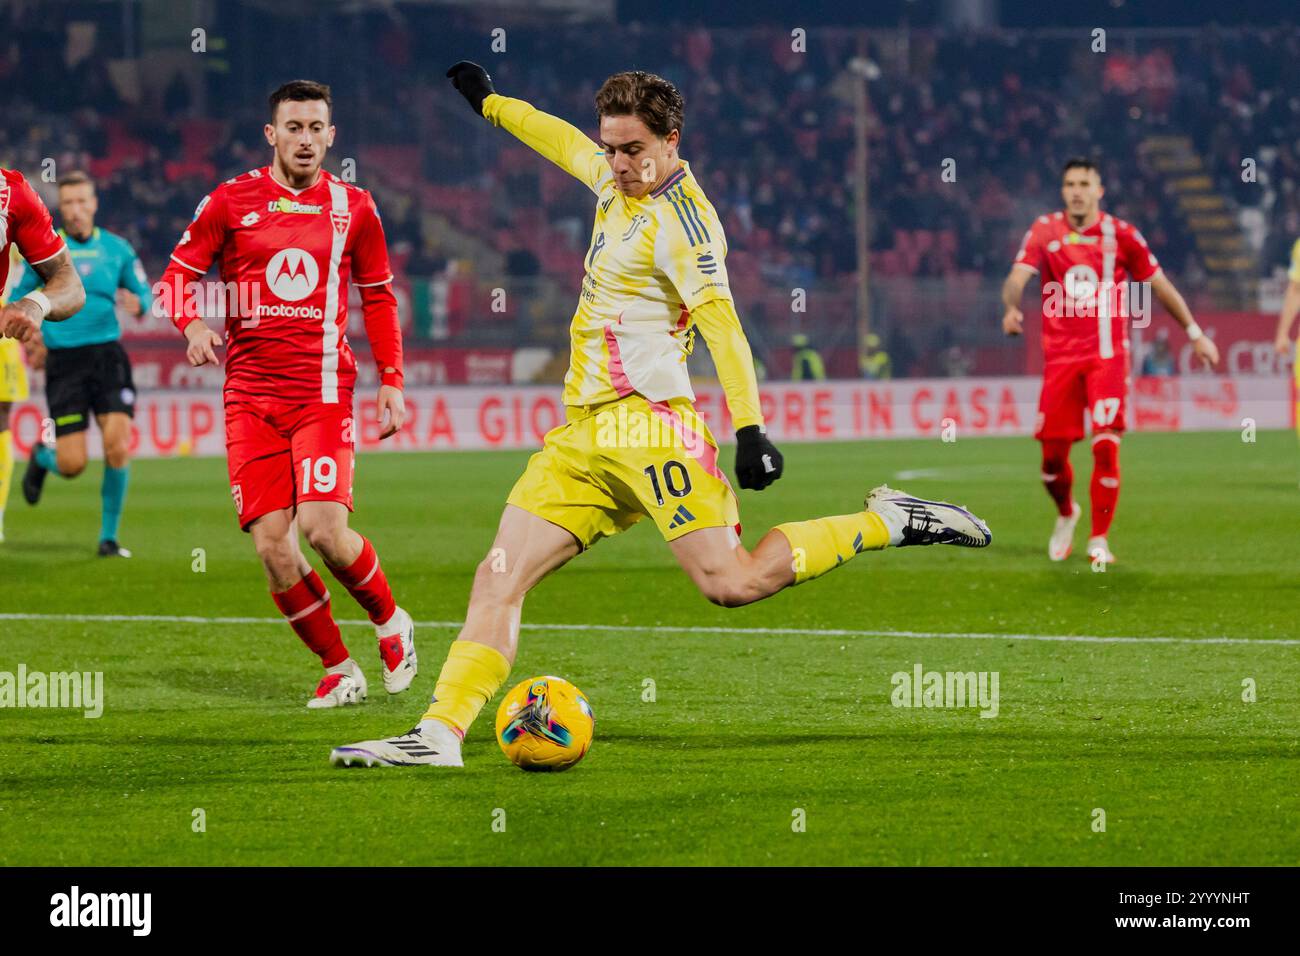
<point>769,129</point>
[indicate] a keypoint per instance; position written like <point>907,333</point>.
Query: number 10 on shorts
<point>319,474</point>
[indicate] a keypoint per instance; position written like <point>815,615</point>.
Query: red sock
<point>365,581</point>
<point>306,606</point>
<point>1105,481</point>
<point>316,584</point>
<point>1058,476</point>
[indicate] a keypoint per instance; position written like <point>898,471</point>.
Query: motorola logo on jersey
<point>292,274</point>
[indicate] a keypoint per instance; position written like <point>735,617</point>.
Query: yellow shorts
<point>13,374</point>
<point>611,464</point>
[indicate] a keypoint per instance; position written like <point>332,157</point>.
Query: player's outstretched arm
<point>201,344</point>
<point>758,463</point>
<point>1176,305</point>
<point>379,312</point>
<point>1013,320</point>
<point>1290,309</point>
<point>62,296</point>
<point>169,299</point>
<point>562,143</point>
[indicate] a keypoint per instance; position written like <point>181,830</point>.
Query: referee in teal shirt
<point>86,369</point>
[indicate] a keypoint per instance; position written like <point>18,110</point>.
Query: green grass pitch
<point>747,727</point>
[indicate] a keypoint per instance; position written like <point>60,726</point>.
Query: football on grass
<point>545,723</point>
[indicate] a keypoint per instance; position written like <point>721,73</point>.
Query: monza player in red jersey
<point>290,237</point>
<point>25,225</point>
<point>1086,260</point>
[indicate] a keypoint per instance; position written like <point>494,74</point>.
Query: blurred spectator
<point>806,362</point>
<point>873,361</point>
<point>1159,360</point>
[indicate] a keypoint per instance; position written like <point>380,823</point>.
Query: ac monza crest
<point>4,198</point>
<point>341,221</point>
<point>237,492</point>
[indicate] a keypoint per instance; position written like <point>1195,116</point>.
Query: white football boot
<point>342,685</point>
<point>1061,543</point>
<point>1099,549</point>
<point>430,743</point>
<point>918,521</point>
<point>397,651</point>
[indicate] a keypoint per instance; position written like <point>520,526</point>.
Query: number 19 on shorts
<point>319,474</point>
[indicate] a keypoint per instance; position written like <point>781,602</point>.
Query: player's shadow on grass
<point>231,683</point>
<point>16,549</point>
<point>734,742</point>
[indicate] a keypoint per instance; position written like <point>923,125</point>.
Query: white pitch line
<point>676,629</point>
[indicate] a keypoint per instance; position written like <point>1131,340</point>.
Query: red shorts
<point>1096,388</point>
<point>279,454</point>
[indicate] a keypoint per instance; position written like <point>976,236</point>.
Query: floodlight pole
<point>862,70</point>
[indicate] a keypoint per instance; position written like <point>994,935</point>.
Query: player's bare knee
<point>69,466</point>
<point>319,537</point>
<point>726,590</point>
<point>323,535</point>
<point>118,456</point>
<point>279,555</point>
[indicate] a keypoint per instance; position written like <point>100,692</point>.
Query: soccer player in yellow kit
<point>632,445</point>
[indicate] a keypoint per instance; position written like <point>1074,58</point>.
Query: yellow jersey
<point>655,272</point>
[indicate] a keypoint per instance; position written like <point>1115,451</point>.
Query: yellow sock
<point>6,466</point>
<point>470,677</point>
<point>825,543</point>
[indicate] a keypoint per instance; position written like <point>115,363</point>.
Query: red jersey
<point>290,255</point>
<point>25,222</point>
<point>1085,276</point>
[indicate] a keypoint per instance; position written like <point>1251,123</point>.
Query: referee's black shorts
<point>86,380</point>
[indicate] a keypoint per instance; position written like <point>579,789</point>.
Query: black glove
<point>473,83</point>
<point>758,463</point>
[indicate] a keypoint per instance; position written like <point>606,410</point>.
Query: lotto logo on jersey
<point>292,274</point>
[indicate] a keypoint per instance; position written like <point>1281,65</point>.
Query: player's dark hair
<point>77,178</point>
<point>301,91</point>
<point>1080,162</point>
<point>651,99</point>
